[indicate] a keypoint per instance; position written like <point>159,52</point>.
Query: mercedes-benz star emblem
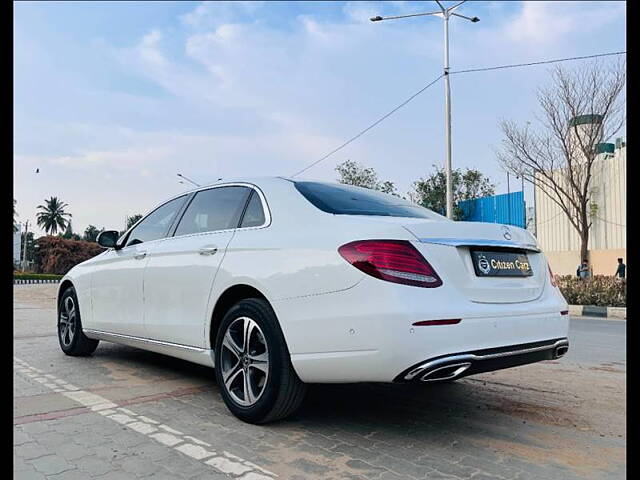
<point>506,233</point>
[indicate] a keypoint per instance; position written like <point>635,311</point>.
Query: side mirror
<point>108,238</point>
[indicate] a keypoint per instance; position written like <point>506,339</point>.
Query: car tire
<point>257,381</point>
<point>72,339</point>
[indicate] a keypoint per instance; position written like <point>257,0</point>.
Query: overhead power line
<point>549,219</point>
<point>611,223</point>
<point>514,65</point>
<point>362,132</point>
<point>480,69</point>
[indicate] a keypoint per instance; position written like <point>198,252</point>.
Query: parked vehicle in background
<point>279,283</point>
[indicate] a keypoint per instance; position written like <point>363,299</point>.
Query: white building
<point>607,239</point>
<point>16,245</point>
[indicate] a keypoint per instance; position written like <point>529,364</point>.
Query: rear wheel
<point>253,366</point>
<point>70,336</point>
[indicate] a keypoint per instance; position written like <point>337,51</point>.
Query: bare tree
<point>580,109</point>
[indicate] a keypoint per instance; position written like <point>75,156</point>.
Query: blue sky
<point>112,99</point>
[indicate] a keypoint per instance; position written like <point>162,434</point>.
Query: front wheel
<point>70,336</point>
<point>253,366</point>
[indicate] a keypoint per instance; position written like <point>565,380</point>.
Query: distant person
<point>583,270</point>
<point>621,271</point>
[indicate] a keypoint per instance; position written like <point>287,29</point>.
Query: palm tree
<point>52,216</point>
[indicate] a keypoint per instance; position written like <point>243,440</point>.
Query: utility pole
<point>445,13</point>
<point>24,246</point>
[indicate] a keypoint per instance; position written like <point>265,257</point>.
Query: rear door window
<point>254,214</point>
<point>350,200</point>
<point>213,210</point>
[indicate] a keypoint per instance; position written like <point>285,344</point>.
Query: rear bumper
<point>448,367</point>
<point>368,334</point>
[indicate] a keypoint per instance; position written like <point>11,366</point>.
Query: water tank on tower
<point>585,130</point>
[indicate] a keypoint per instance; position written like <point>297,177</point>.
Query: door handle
<point>140,256</point>
<point>208,250</point>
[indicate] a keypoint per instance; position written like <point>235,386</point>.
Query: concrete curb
<point>21,281</point>
<point>593,311</point>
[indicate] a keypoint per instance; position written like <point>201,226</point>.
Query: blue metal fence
<point>508,208</point>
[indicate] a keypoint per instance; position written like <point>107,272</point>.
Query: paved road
<point>595,341</point>
<point>127,414</point>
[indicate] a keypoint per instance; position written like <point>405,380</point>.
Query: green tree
<point>52,216</point>
<point>353,173</point>
<point>430,192</point>
<point>68,231</point>
<point>132,220</point>
<point>91,233</point>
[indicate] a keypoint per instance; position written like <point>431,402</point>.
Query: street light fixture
<point>445,13</point>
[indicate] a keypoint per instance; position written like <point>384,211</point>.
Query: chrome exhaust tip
<point>560,351</point>
<point>446,372</point>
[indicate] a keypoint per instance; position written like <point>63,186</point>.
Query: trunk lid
<point>447,246</point>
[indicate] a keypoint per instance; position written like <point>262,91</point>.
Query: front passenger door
<point>116,283</point>
<point>180,272</point>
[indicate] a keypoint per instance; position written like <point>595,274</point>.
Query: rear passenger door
<point>181,270</point>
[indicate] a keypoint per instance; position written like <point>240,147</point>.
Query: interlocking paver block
<point>50,464</point>
<point>69,475</point>
<point>29,451</point>
<point>310,467</point>
<point>138,466</point>
<point>94,465</point>
<point>20,437</point>
<point>28,475</point>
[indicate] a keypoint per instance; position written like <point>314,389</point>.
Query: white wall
<point>609,190</point>
<point>16,244</point>
<point>557,237</point>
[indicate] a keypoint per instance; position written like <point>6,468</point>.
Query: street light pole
<point>447,120</point>
<point>445,13</point>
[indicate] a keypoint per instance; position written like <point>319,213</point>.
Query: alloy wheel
<point>244,361</point>
<point>67,323</point>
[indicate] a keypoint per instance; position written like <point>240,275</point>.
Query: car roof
<point>258,181</point>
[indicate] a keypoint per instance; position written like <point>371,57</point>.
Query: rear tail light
<point>392,260</point>
<point>552,277</point>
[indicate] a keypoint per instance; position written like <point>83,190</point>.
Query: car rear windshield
<point>350,200</point>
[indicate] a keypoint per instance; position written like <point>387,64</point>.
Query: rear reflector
<point>448,321</point>
<point>392,260</point>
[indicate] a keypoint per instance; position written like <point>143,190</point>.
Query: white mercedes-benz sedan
<point>278,283</point>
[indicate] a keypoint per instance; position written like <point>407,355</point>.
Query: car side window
<point>157,223</point>
<point>254,214</point>
<point>214,209</point>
